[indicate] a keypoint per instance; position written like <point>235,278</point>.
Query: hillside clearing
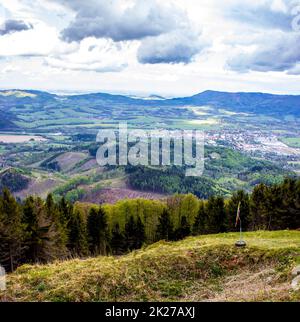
<point>205,268</point>
<point>39,186</point>
<point>113,195</point>
<point>69,160</point>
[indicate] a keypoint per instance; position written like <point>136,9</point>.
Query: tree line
<point>40,231</point>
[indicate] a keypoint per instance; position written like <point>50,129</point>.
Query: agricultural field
<point>292,142</point>
<point>4,138</point>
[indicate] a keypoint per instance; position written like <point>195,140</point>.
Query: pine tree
<point>41,234</point>
<point>11,231</point>
<point>65,210</point>
<point>78,243</point>
<point>57,230</point>
<point>130,230</point>
<point>290,213</point>
<point>216,215</point>
<point>273,204</point>
<point>184,230</point>
<point>165,227</point>
<point>33,238</point>
<point>259,208</point>
<point>98,232</point>
<point>118,241</point>
<point>139,233</point>
<point>200,224</point>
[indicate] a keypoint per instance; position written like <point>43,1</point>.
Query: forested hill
<point>258,103</point>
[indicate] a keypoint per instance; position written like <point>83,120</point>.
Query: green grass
<point>54,122</point>
<point>208,123</point>
<point>196,269</point>
<point>292,142</point>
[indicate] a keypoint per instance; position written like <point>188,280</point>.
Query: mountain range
<point>241,101</point>
<point>21,107</point>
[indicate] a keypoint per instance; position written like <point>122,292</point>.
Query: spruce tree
<point>98,232</point>
<point>165,227</point>
<point>78,244</point>
<point>183,230</point>
<point>41,241</point>
<point>65,210</point>
<point>139,233</point>
<point>57,231</point>
<point>200,224</point>
<point>118,241</point>
<point>217,221</point>
<point>130,230</point>
<point>32,240</point>
<point>259,208</point>
<point>11,231</point>
<point>291,210</point>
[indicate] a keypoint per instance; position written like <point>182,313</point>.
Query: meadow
<point>203,268</point>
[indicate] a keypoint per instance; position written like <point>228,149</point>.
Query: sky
<point>147,47</point>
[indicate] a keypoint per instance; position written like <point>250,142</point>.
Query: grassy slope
<point>292,142</point>
<point>206,268</point>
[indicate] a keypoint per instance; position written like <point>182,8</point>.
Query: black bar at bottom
<point>148,311</point>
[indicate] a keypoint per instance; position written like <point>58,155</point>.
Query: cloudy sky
<point>170,47</point>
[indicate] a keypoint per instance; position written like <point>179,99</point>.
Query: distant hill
<point>13,179</point>
<point>42,111</point>
<point>259,103</point>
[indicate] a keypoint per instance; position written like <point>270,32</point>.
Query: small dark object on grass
<point>241,243</point>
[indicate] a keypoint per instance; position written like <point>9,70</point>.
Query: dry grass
<point>113,195</point>
<point>69,160</point>
<point>206,268</point>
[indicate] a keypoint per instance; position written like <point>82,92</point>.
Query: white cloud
<point>276,51</point>
<point>100,55</point>
<point>108,19</point>
<point>274,14</point>
<point>32,42</point>
<point>165,31</point>
<point>179,46</point>
<point>267,41</point>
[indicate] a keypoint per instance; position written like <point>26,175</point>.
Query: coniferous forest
<point>41,231</point>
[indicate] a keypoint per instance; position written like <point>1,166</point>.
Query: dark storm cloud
<point>11,26</point>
